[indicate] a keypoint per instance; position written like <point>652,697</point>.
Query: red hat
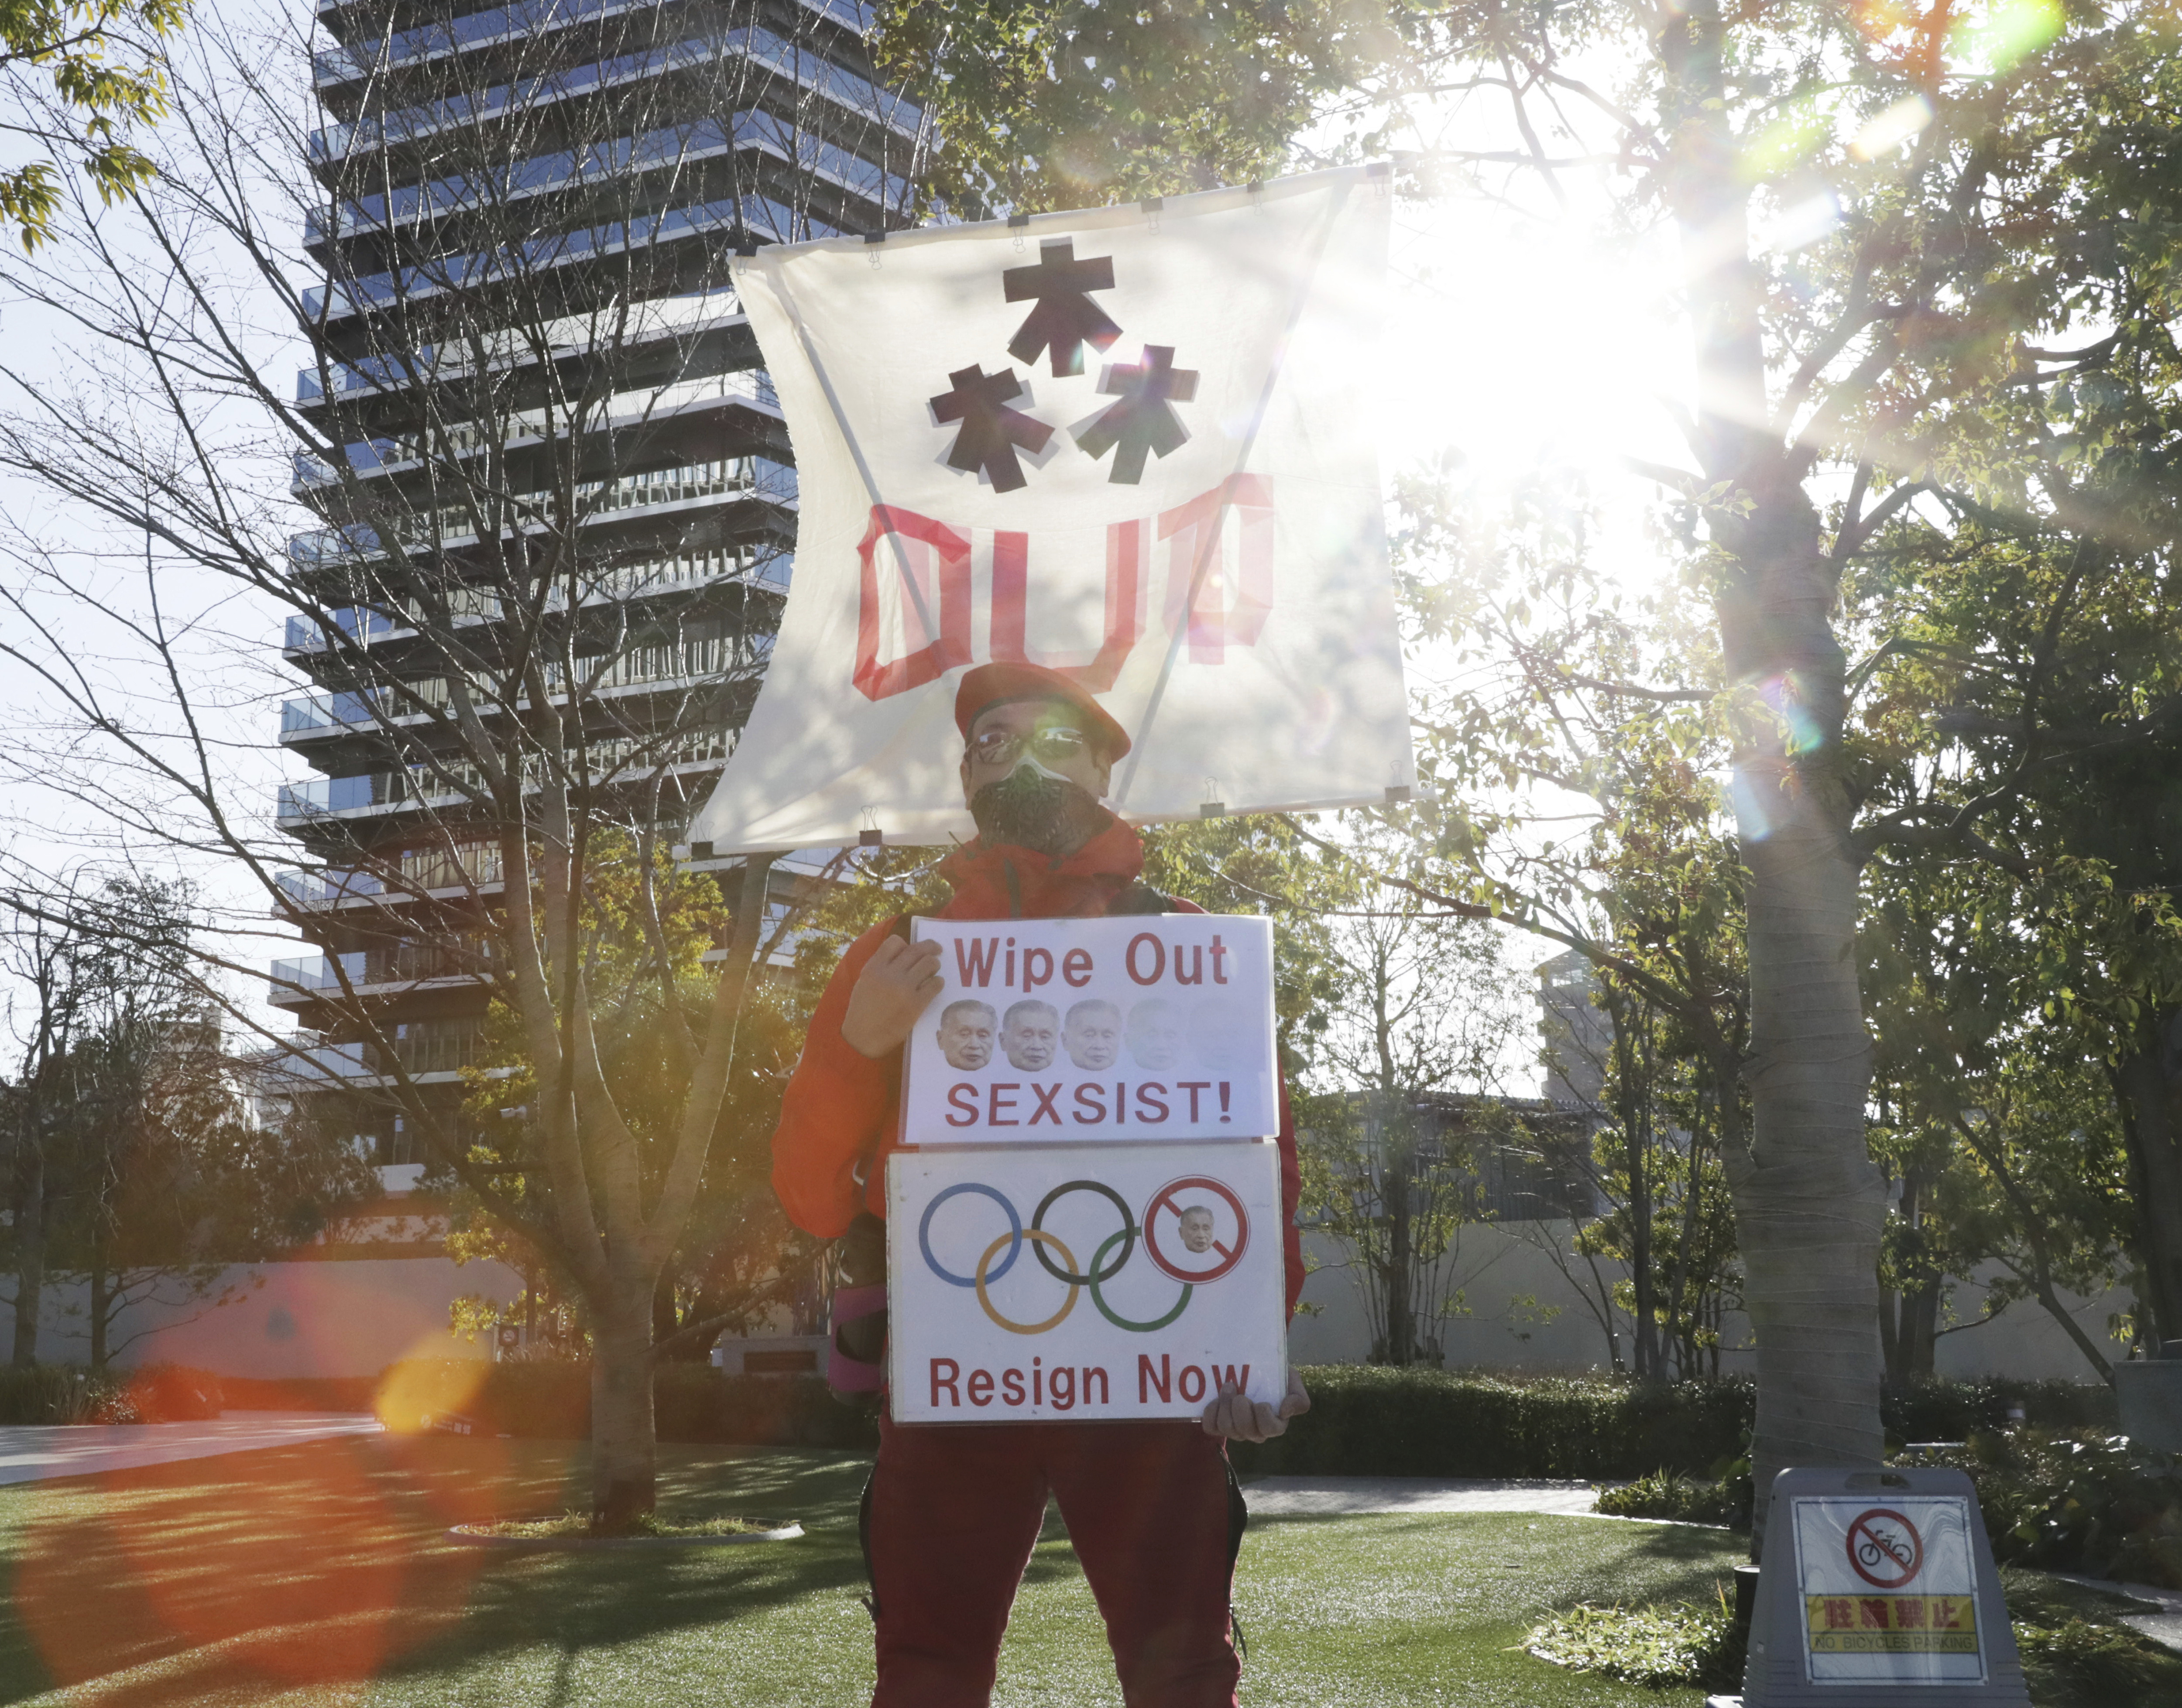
<point>1000,685</point>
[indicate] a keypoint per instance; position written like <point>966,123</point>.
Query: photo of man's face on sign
<point>1153,1045</point>
<point>1093,1035</point>
<point>1029,1035</point>
<point>1195,1229</point>
<point>965,1034</point>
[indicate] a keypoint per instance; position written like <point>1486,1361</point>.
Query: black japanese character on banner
<point>1144,422</point>
<point>1065,319</point>
<point>990,429</point>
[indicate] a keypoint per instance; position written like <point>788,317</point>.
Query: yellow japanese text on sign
<point>1892,1624</point>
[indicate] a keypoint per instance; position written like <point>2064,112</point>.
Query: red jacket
<point>842,1112</point>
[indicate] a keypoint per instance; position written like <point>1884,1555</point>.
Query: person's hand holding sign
<point>1237,1417</point>
<point>896,985</point>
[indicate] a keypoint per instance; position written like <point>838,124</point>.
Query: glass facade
<point>540,402</point>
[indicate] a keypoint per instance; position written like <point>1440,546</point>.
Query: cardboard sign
<point>1076,1282</point>
<point>1879,1589</point>
<point>1145,1026</point>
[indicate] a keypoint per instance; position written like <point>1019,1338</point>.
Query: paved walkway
<point>1301,1495</point>
<point>2162,1625</point>
<point>32,1452</point>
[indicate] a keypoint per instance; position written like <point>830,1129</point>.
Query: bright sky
<point>1521,343</point>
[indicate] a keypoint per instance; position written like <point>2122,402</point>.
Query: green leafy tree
<point>84,74</point>
<point>139,1164</point>
<point>1075,104</point>
<point>1994,1110</point>
<point>2026,709</point>
<point>1387,1002</point>
<point>1658,1166</point>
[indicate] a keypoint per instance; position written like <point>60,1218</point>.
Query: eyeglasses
<point>998,746</point>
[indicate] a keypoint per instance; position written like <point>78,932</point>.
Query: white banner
<point>1143,1027</point>
<point>1133,443</point>
<point>1098,1281</point>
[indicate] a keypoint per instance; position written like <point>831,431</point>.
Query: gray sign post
<point>1877,1590</point>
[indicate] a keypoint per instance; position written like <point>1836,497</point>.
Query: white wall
<point>331,1317</point>
<point>1526,1311</point>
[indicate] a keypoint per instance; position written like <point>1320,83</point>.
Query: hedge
<point>691,1403</point>
<point>1954,1410</point>
<point>1367,1420</point>
<point>1364,1420</point>
<point>300,1393</point>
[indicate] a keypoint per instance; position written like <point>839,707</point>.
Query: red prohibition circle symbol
<point>1884,1548</point>
<point>1164,1200</point>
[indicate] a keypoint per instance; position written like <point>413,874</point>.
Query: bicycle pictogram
<point>1884,1548</point>
<point>1192,1226</point>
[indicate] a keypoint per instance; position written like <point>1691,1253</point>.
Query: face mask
<point>1034,808</point>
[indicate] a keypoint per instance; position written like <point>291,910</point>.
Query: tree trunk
<point>102,1303</point>
<point>2148,1082</point>
<point>1809,1203</point>
<point>1920,1330</point>
<point>30,1248</point>
<point>1910,1320</point>
<point>1646,1347</point>
<point>624,1445</point>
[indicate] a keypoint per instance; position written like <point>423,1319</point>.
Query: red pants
<point>954,1513</point>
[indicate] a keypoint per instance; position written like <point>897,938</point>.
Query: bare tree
<point>526,367</point>
<point>1421,1007</point>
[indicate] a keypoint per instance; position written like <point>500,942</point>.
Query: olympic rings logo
<point>1047,1248</point>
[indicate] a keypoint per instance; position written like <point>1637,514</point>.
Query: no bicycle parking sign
<point>1878,1589</point>
<point>1083,1281</point>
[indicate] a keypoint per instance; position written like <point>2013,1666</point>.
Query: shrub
<point>2080,1660</point>
<point>1663,1648</point>
<point>2078,1501</point>
<point>692,1402</point>
<point>62,1394</point>
<point>1726,1500</point>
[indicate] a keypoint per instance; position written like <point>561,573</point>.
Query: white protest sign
<point>1139,1026</point>
<point>1083,1282</point>
<point>1890,1590</point>
<point>1133,443</point>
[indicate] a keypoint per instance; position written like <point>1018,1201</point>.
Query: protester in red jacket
<point>951,1513</point>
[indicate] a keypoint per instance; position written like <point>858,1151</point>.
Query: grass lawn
<point>315,1575</point>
